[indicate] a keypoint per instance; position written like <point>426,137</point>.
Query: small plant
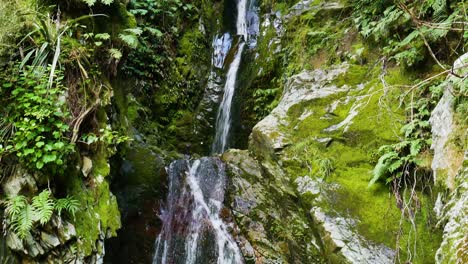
<point>106,136</point>
<point>92,2</point>
<point>264,101</point>
<point>409,30</point>
<point>396,159</point>
<point>22,214</point>
<point>35,115</point>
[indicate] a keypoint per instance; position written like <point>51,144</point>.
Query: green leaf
<point>129,40</point>
<point>59,145</point>
<point>102,36</point>
<point>115,53</point>
<point>39,165</point>
<point>137,31</point>
<point>49,158</point>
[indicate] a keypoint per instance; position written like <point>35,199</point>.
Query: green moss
<point>354,153</point>
<point>99,210</point>
<point>354,75</point>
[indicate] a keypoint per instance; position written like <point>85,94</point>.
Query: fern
<point>92,2</point>
<point>130,40</point>
<point>43,205</point>
<point>136,31</point>
<point>115,53</point>
<point>14,205</point>
<point>385,162</point>
<point>69,204</point>
<point>22,215</point>
<point>23,222</point>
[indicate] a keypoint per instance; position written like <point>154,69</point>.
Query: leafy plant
<point>397,159</point>
<point>409,30</point>
<point>107,136</point>
<point>36,115</point>
<point>43,42</point>
<point>92,2</point>
<point>22,214</point>
<point>264,101</point>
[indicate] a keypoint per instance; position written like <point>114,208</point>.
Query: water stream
<point>223,120</point>
<point>193,230</point>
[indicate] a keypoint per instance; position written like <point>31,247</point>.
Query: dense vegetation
<point>83,80</point>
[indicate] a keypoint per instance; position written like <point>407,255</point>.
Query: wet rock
<point>264,209</point>
<point>66,232</point>
<point>453,247</point>
<point>33,247</point>
<point>20,182</point>
<point>341,239</point>
<point>450,167</point>
<point>306,5</point>
<point>307,185</point>
<point>87,166</point>
<point>300,88</point>
<point>14,242</point>
<point>49,241</point>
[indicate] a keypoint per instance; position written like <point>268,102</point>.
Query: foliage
<point>10,23</point>
<point>157,28</point>
<point>106,136</point>
<point>264,101</point>
<point>397,159</point>
<point>409,30</point>
<point>43,42</point>
<point>36,116</point>
<point>92,2</point>
<point>22,214</point>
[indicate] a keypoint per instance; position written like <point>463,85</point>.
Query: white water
<point>195,204</point>
<point>241,22</point>
<point>223,120</point>
<point>228,251</point>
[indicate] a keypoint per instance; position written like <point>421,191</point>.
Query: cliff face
<point>301,193</point>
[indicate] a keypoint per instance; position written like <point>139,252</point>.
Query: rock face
<point>454,247</point>
<point>308,168</point>
<point>52,243</point>
<point>65,239</point>
<point>450,167</point>
<point>447,157</point>
<point>277,229</point>
<point>303,87</point>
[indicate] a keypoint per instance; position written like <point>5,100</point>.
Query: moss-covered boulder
<point>317,150</point>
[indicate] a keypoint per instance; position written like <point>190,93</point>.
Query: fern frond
<point>23,223</point>
<point>383,166</point>
<point>129,39</point>
<point>14,205</point>
<point>69,204</point>
<point>43,205</point>
<point>137,31</point>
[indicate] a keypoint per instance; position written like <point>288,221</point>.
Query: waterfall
<point>241,21</point>
<point>193,230</point>
<point>223,120</point>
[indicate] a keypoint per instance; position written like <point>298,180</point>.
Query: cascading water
<point>193,230</point>
<point>223,120</point>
